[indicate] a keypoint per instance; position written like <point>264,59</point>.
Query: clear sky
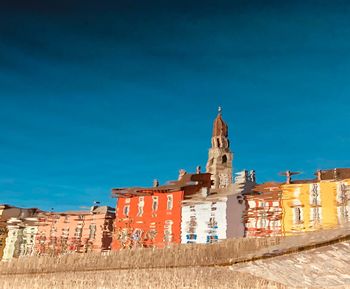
<point>102,94</point>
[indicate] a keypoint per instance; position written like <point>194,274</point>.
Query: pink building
<point>75,231</point>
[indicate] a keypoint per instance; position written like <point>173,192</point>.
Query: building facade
<point>309,205</point>
<point>75,231</point>
<point>204,222</point>
<point>263,216</point>
<point>149,220</point>
<point>151,217</point>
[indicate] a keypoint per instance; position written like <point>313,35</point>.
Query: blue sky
<point>117,93</point>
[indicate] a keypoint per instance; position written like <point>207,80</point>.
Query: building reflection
<point>198,208</point>
<point>31,232</point>
<point>151,217</point>
<point>204,222</point>
<point>188,211</point>
<point>75,231</point>
<point>320,203</point>
<point>263,216</point>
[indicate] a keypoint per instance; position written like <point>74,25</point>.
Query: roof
<point>337,173</point>
<point>220,128</point>
<point>267,187</point>
<point>326,175</point>
<point>96,210</point>
<point>189,183</point>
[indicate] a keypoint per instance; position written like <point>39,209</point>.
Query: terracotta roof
<point>189,183</point>
<point>311,181</point>
<point>267,187</point>
<point>97,209</point>
<point>337,173</point>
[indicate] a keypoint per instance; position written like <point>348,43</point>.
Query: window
<point>136,236</point>
<point>92,233</point>
<point>140,206</point>
<point>343,214</point>
<point>78,232</point>
<point>342,193</point>
<point>223,180</point>
<point>126,210</point>
<point>154,203</point>
<point>191,237</point>
<point>212,238</point>
<point>168,231</point>
<point>263,220</point>
<point>315,196</point>
<point>169,204</point>
<point>140,211</point>
<point>224,159</point>
<point>298,216</point>
<point>315,216</point>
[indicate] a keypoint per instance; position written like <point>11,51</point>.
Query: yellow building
<point>310,205</point>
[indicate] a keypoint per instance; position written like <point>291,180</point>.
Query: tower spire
<point>220,156</point>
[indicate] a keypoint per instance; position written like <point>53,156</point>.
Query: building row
<point>196,208</point>
<point>31,232</point>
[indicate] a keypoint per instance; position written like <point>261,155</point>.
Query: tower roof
<point>220,128</point>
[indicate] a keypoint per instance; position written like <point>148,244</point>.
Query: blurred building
<point>323,202</point>
<point>14,240</point>
<point>204,222</point>
<point>151,217</point>
<point>263,216</point>
<point>75,231</point>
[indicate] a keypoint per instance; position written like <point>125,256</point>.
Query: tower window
<point>218,142</point>
<point>224,159</point>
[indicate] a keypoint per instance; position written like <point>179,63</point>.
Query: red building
<point>151,217</point>
<point>264,211</point>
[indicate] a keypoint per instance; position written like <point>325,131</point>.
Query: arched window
<point>224,159</point>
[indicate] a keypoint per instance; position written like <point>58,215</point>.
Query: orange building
<point>151,217</point>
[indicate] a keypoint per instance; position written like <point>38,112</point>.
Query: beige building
<point>14,236</point>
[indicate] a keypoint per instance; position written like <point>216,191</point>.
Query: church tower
<point>220,156</point>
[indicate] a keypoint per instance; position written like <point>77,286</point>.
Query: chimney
<point>319,175</point>
<point>252,176</point>
<point>182,172</point>
<point>198,169</point>
<point>155,183</point>
<point>335,173</point>
<point>289,177</point>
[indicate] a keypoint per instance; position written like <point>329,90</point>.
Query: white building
<point>204,222</point>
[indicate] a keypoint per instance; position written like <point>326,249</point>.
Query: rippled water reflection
<point>270,209</point>
<point>161,219</point>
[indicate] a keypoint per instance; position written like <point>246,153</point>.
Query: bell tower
<point>220,156</point>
